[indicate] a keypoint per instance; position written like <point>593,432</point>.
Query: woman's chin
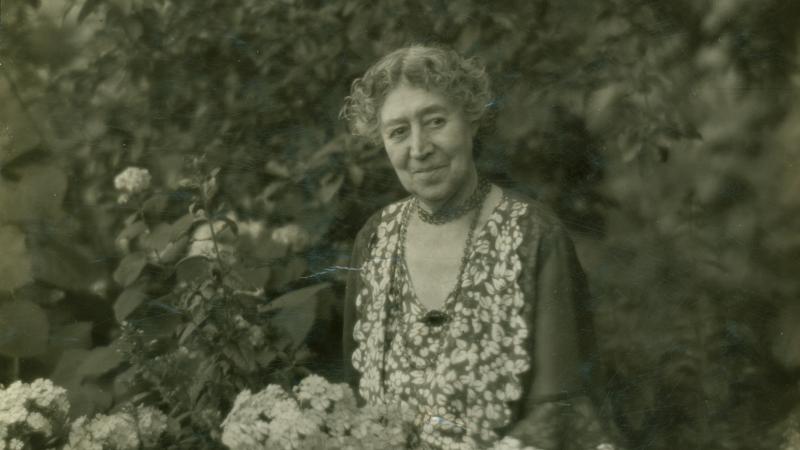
<point>431,196</point>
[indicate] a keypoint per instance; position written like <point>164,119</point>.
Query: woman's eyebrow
<point>430,109</point>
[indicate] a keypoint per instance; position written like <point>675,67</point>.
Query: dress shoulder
<point>367,232</point>
<point>539,215</point>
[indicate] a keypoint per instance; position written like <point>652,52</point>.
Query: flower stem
<point>206,205</point>
<point>14,369</point>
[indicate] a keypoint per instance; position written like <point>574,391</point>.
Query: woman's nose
<point>420,144</point>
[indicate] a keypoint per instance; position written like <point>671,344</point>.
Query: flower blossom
<point>128,430</point>
<point>315,414</point>
<point>292,236</point>
<point>511,443</point>
<point>39,408</point>
<point>132,180</point>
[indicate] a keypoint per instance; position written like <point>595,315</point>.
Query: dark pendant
<point>435,318</point>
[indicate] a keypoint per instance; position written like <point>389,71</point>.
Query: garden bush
<point>178,197</point>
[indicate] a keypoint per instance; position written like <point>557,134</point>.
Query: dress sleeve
<point>352,288</point>
<point>557,411</point>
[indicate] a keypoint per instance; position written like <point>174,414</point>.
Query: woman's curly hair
<point>461,80</point>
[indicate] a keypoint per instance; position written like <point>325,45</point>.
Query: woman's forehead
<point>406,101</point>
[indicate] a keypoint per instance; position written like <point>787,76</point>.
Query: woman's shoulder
<point>370,227</point>
<point>539,219</point>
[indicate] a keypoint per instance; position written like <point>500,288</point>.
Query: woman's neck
<point>459,196</point>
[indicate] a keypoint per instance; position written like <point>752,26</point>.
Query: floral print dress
<point>508,362</point>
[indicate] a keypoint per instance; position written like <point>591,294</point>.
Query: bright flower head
<point>132,180</point>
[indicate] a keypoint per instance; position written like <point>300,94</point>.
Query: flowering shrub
<point>134,429</point>
<point>32,415</point>
<point>206,299</point>
<point>132,180</point>
<point>599,113</point>
<point>35,416</point>
<point>315,415</point>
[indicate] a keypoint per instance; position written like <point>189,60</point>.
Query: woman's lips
<point>428,170</point>
<point>428,174</point>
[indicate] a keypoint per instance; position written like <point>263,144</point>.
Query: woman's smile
<point>429,143</point>
<point>429,174</point>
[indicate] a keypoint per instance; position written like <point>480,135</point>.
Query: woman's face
<point>429,142</point>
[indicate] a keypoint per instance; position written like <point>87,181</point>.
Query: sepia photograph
<point>398,224</point>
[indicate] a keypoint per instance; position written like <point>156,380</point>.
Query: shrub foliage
<point>664,134</point>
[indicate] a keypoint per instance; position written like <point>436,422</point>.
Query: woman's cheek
<point>395,156</point>
<point>401,156</point>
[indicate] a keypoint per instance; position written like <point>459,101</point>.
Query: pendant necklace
<point>439,317</point>
<point>446,214</point>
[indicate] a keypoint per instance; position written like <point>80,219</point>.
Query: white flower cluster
<point>127,430</point>
<point>317,414</point>
<point>511,443</point>
<point>132,180</point>
<point>292,236</point>
<point>39,408</point>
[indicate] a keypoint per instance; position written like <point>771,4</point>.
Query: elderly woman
<point>468,305</point>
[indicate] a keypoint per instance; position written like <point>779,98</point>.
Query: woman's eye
<point>397,132</point>
<point>437,122</point>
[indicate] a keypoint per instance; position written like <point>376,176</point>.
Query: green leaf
<point>128,301</point>
<point>173,250</point>
<point>99,361</point>
<point>235,354</point>
<point>182,225</point>
<point>154,207</point>
<point>356,174</point>
<point>158,238</point>
<point>164,321</point>
<point>193,268</point>
<point>266,356</point>
<point>272,189</point>
<point>330,187</point>
<point>277,169</point>
<point>132,230</point>
<point>65,372</point>
<point>130,268</point>
<point>10,166</point>
<point>37,195</point>
<point>40,295</point>
<point>24,329</point>
<point>163,234</point>
<point>65,264</point>
<point>88,7</point>
<point>252,277</point>
<point>87,399</point>
<point>15,261</point>
<point>72,335</point>
<point>286,273</point>
<point>295,311</point>
<point>187,332</point>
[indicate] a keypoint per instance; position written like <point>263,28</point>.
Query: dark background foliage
<point>664,134</point>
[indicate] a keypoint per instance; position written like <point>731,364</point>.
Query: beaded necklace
<point>437,317</point>
<point>434,318</point>
<point>449,214</point>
